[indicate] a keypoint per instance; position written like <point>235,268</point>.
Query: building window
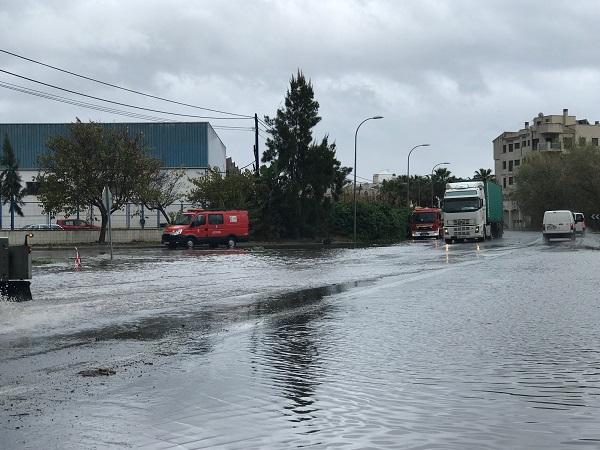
<point>517,145</point>
<point>503,165</point>
<point>510,181</point>
<point>504,148</point>
<point>504,182</point>
<point>595,142</point>
<point>517,162</point>
<point>567,142</point>
<point>524,144</point>
<point>510,147</point>
<point>32,188</point>
<point>510,166</point>
<point>528,143</point>
<point>547,120</point>
<point>582,141</point>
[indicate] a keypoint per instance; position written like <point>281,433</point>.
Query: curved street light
<point>354,189</point>
<point>408,173</point>
<point>440,164</point>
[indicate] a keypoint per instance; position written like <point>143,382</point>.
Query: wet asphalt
<point>417,345</point>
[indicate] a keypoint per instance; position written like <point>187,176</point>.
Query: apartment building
<point>545,133</point>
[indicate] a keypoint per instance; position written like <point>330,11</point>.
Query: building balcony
<point>550,128</point>
<point>549,146</point>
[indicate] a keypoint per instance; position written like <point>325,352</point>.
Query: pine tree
<point>11,190</point>
<point>302,172</point>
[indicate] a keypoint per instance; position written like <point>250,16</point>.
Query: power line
<point>247,165</point>
<point>121,87</point>
<point>94,106</point>
<point>119,103</point>
<point>263,123</point>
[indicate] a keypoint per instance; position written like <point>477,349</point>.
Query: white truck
<point>472,210</point>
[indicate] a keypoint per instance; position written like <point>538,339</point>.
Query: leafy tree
<point>550,181</point>
<point>483,175</point>
<point>11,190</point>
<point>78,166</point>
<point>163,189</point>
<point>235,191</point>
<point>393,192</point>
<point>302,172</point>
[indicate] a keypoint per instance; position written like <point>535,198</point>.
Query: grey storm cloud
<point>454,74</point>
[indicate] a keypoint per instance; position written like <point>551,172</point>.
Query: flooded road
<point>490,345</point>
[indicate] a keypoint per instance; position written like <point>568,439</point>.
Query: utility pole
<point>256,144</point>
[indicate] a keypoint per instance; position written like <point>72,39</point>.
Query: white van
<point>558,224</point>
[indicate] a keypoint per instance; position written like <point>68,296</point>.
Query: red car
<point>76,224</point>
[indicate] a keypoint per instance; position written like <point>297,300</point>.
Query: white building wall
<point>129,217</point>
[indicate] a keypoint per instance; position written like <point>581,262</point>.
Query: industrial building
<point>545,133</point>
<point>189,146</point>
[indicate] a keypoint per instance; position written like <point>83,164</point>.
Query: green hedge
<point>374,221</point>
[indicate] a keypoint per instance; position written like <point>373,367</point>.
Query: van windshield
<point>453,205</point>
<point>183,219</point>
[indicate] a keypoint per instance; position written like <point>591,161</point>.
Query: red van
<point>200,226</point>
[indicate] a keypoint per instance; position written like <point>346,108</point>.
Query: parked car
<point>198,226</point>
<point>42,226</point>
<point>558,224</point>
<point>76,224</point>
<point>579,223</point>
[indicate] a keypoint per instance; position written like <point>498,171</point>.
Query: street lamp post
<point>440,164</point>
<point>408,173</point>
<point>354,170</point>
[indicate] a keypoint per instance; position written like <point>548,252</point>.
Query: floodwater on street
<point>417,345</point>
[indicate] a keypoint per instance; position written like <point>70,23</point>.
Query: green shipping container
<point>494,209</point>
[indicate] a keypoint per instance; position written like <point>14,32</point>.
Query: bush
<point>374,221</point>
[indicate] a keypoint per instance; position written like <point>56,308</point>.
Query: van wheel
<point>231,242</point>
<point>190,242</point>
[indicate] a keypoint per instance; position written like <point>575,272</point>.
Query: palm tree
<point>483,175</point>
<point>440,177</point>
<point>10,182</point>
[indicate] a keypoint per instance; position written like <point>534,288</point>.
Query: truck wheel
<point>231,242</point>
<point>190,241</point>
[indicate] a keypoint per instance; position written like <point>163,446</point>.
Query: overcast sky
<point>454,74</point>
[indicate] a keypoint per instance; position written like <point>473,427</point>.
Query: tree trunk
<point>165,215</point>
<point>12,212</point>
<point>104,215</point>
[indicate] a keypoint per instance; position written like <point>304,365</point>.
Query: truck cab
<point>472,210</point>
<point>426,222</point>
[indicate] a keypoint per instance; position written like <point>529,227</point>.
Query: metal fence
<point>131,216</point>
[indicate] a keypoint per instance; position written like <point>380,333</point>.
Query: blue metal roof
<point>176,144</point>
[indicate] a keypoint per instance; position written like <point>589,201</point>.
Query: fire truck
<point>426,223</point>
